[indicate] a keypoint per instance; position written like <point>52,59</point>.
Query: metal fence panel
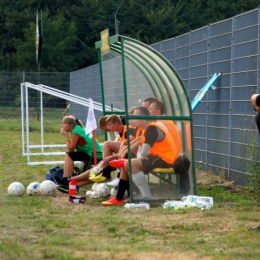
<point>223,122</point>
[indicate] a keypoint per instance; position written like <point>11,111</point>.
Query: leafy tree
<point>71,28</point>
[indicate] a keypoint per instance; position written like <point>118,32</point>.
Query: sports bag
<point>58,171</point>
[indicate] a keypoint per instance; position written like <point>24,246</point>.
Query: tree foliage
<point>71,28</point>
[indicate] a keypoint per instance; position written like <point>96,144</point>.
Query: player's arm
<point>150,138</point>
<point>72,142</point>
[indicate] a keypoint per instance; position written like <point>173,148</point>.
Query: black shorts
<point>79,156</point>
<point>84,157</point>
<point>154,162</point>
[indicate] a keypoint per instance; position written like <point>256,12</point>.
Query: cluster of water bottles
<point>136,205</point>
<point>190,201</point>
<point>186,202</point>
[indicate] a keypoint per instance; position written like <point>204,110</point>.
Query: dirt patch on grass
<point>209,179</point>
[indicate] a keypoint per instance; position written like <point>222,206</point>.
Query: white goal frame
<point>26,146</point>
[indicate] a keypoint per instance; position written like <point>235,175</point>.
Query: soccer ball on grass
<point>16,189</point>
<point>95,185</point>
<point>48,188</point>
<point>32,188</point>
<point>103,191</point>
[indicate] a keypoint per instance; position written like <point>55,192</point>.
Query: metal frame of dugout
<point>131,71</point>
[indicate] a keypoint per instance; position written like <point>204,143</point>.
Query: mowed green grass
<point>53,228</point>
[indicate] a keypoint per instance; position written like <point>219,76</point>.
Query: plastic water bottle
<point>171,205</point>
<point>175,205</point>
<point>199,201</point>
<point>72,187</point>
<point>205,200</point>
<point>203,206</point>
<point>190,198</point>
<point>134,206</point>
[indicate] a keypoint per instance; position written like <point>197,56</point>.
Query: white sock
<point>141,182</point>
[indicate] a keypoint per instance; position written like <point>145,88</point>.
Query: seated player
<point>134,134</point>
<point>158,150</point>
<point>182,165</point>
<point>79,145</point>
<point>114,124</point>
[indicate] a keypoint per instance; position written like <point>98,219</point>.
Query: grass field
<point>53,228</point>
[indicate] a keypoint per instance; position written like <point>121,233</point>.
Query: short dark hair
<point>102,121</point>
<point>159,105</point>
<point>114,119</point>
<point>143,111</point>
<point>150,100</point>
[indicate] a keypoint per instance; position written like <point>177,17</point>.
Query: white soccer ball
<point>114,191</point>
<point>94,186</point>
<point>102,190</point>
<point>16,189</point>
<point>32,188</point>
<point>38,190</point>
<point>48,188</point>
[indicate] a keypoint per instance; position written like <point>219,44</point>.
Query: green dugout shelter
<point>130,72</point>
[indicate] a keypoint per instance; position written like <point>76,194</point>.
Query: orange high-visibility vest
<point>174,132</point>
<point>123,134</point>
<point>139,132</point>
<point>166,149</point>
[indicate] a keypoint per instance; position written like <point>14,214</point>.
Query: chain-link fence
<point>11,91</point>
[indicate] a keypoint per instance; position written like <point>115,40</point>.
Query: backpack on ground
<point>58,172</point>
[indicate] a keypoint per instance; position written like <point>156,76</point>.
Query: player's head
<point>102,123</point>
<point>147,102</point>
<point>141,111</point>
<point>69,122</point>
<point>156,108</point>
<point>114,123</point>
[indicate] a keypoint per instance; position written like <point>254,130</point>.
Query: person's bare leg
<point>136,165</point>
<point>122,147</point>
<point>83,183</point>
<point>110,147</point>
<point>82,177</point>
<point>68,167</point>
<point>123,174</point>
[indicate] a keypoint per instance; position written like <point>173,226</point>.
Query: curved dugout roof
<point>131,71</point>
<point>162,78</point>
